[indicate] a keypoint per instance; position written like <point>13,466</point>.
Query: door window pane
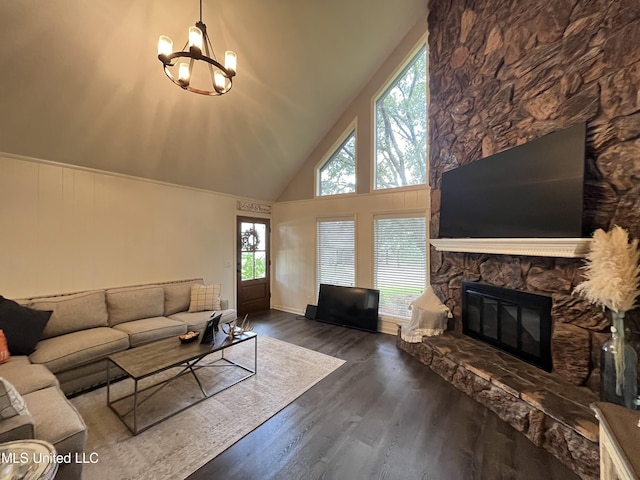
<point>253,244</point>
<point>260,267</point>
<point>247,266</point>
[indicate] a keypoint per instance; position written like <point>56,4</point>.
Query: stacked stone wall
<point>502,73</point>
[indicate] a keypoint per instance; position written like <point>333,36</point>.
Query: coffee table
<point>160,356</point>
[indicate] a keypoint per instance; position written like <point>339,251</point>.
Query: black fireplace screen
<point>514,321</point>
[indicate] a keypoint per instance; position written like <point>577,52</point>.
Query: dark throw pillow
<point>5,354</point>
<point>22,326</point>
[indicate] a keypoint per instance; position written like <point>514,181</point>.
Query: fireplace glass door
<point>516,322</point>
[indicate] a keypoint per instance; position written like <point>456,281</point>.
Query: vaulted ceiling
<point>80,83</point>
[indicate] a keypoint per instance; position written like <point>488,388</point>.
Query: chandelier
<point>182,73</point>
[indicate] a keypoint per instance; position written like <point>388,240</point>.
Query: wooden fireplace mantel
<point>541,247</point>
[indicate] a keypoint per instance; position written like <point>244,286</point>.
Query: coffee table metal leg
<point>135,408</point>
<point>108,382</point>
<point>193,372</point>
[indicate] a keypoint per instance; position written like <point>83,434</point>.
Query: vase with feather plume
<point>618,366</point>
<point>612,281</point>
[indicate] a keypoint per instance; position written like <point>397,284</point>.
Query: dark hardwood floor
<point>382,415</point>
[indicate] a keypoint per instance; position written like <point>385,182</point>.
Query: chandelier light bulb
<point>219,81</point>
<point>230,61</point>
<point>183,73</point>
<point>195,38</point>
<point>165,45</point>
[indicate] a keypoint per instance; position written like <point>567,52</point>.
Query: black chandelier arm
<point>189,88</point>
<point>167,59</point>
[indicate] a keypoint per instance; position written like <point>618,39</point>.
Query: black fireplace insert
<point>517,322</point>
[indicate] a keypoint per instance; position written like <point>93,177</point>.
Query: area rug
<point>183,443</point>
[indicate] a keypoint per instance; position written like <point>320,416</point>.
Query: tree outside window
<point>401,128</point>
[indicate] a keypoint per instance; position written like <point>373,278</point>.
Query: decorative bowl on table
<point>189,337</point>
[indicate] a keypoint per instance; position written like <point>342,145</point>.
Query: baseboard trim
<point>288,310</point>
<point>389,326</point>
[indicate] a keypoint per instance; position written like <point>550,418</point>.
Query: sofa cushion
<point>77,348</point>
<point>177,297</point>
<point>128,304</point>
<point>197,321</point>
<point>73,312</point>
<point>57,420</point>
<point>22,326</point>
<point>11,402</point>
<point>150,329</point>
<point>205,297</point>
<point>26,376</point>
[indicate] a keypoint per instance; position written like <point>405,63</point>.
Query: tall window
<point>401,128</point>
<point>399,262</point>
<point>338,173</point>
<point>336,252</point>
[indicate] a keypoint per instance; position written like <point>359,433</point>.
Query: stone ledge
<point>551,413</point>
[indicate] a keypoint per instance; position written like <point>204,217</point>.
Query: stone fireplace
<point>501,74</point>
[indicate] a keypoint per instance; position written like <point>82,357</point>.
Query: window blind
<point>400,262</point>
<point>336,253</point>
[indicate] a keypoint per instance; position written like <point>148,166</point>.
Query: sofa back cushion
<point>177,297</point>
<point>128,304</point>
<point>72,313</point>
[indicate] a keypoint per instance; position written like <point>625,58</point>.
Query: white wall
<point>294,241</point>
<point>65,229</point>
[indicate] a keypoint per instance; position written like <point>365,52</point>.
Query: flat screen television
<point>348,306</point>
<point>532,190</point>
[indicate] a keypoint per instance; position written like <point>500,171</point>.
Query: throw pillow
<point>11,402</point>
<point>22,326</point>
<point>5,355</point>
<point>205,297</point>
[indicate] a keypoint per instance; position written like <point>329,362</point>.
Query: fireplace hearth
<point>514,321</point>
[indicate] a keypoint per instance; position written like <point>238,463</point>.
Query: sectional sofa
<point>71,356</point>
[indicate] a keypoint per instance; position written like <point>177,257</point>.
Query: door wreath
<point>250,240</point>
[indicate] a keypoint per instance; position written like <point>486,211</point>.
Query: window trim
<point>342,138</point>
<point>421,43</point>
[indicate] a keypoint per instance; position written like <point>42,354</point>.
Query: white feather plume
<point>612,271</point>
